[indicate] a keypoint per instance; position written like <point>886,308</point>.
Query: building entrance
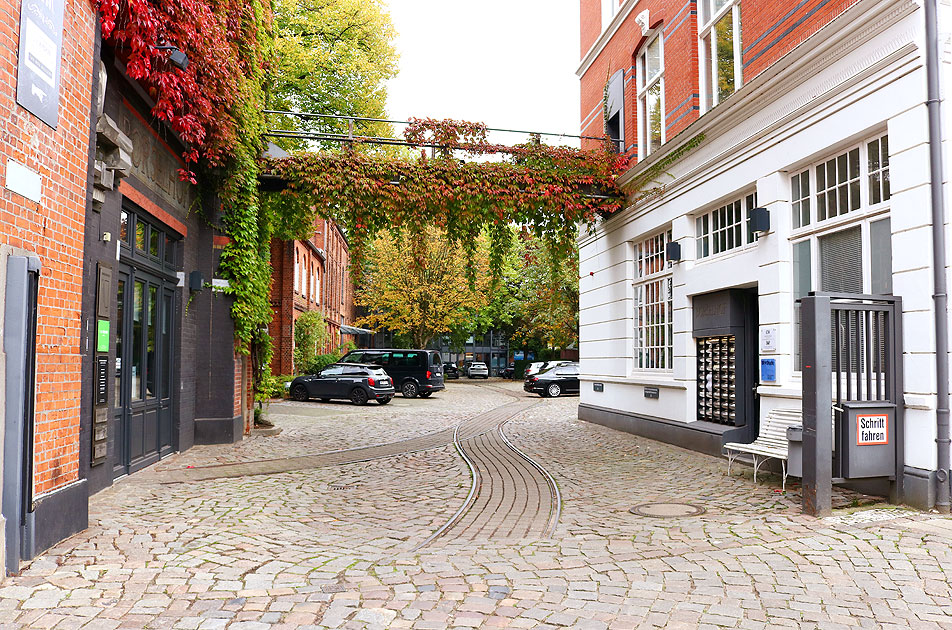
<point>143,414</point>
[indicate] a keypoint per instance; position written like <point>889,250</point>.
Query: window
<point>317,286</point>
<point>654,309</point>
<point>721,58</point>
<point>842,184</point>
<point>857,259</point>
<point>651,97</point>
<point>297,271</point>
<point>609,7</point>
<point>723,228</point>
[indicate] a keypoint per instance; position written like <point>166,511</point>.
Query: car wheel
<point>425,394</point>
<point>384,401</point>
<point>358,396</point>
<point>299,392</point>
<point>410,389</point>
<point>554,390</point>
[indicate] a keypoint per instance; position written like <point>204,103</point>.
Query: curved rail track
<point>511,495</point>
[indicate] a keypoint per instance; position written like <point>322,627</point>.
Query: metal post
<point>817,407</point>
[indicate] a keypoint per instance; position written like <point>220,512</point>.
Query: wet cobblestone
<point>331,547</point>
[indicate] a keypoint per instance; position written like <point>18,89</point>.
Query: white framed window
<point>843,184</point>
<point>317,286</point>
<point>650,71</point>
<point>654,305</point>
<point>726,227</point>
<point>720,51</point>
<point>842,240</point>
<point>297,271</point>
<point>609,8</point>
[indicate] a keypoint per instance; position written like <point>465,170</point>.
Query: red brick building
<point>44,119</point>
<point>311,275</point>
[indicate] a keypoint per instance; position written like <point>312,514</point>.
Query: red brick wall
<point>288,301</point>
<point>770,30</point>
<point>52,229</point>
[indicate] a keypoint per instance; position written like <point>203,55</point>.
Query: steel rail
<point>469,498</point>
<point>407,122</point>
<point>554,517</point>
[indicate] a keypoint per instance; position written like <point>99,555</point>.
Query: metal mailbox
<point>867,439</point>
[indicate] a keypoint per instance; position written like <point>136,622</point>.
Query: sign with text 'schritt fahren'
<point>38,67</point>
<point>872,429</point>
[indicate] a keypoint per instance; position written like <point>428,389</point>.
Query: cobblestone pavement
<point>332,546</point>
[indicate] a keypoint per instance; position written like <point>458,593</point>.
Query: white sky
<point>508,63</point>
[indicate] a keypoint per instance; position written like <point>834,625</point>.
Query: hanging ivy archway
<point>547,190</point>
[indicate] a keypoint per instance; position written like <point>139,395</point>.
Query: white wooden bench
<point>770,444</point>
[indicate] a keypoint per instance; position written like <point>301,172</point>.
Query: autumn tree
<point>416,285</point>
<point>548,296</point>
<point>331,57</point>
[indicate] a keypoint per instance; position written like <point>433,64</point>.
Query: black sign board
<point>598,387</point>
<point>102,380</point>
<point>652,392</point>
<point>38,67</point>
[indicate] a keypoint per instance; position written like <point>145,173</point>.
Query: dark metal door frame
<point>852,351</point>
<point>162,386</point>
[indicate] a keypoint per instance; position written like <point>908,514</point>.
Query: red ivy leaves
<point>548,189</point>
<point>196,103</point>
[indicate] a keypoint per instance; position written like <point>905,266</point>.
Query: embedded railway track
<point>511,495</point>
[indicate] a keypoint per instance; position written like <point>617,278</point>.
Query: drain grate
<point>340,486</point>
<point>667,510</point>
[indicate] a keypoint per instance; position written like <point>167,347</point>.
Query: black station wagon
<point>415,372</point>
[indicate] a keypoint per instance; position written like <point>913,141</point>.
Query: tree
<point>416,285</point>
<point>548,296</point>
<point>310,337</point>
<point>331,57</point>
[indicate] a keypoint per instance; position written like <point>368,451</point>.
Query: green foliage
<point>319,362</point>
<point>310,336</point>
<point>334,57</point>
<point>416,285</point>
<point>271,386</point>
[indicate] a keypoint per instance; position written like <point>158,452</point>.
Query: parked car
<point>555,381</point>
<point>477,370</point>
<point>414,372</point>
<point>355,382</point>
<point>450,371</point>
<point>539,366</point>
<point>509,372</point>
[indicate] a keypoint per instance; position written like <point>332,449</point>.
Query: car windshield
<point>377,371</point>
<point>479,365</point>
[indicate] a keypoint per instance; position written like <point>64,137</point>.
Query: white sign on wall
<point>872,429</point>
<point>768,339</point>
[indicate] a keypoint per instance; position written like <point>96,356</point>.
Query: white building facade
<point>832,140</point>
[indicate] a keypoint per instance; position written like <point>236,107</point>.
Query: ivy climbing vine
<point>546,189</point>
<point>214,106</point>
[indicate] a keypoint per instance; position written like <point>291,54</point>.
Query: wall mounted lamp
<point>177,57</point>
<point>672,252</point>
<point>759,220</point>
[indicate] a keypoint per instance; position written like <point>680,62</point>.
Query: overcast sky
<point>507,63</point>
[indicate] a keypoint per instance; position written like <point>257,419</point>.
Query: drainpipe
<point>940,297</point>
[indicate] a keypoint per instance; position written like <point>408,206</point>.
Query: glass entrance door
<point>143,370</point>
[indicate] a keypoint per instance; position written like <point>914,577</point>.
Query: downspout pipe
<point>940,295</point>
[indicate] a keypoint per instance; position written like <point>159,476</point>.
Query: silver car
<point>477,370</point>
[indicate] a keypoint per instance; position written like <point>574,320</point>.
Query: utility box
<point>867,439</point>
<point>795,450</point>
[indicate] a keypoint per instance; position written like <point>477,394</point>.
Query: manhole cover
<point>667,510</point>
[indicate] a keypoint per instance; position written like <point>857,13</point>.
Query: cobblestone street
<point>479,507</point>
